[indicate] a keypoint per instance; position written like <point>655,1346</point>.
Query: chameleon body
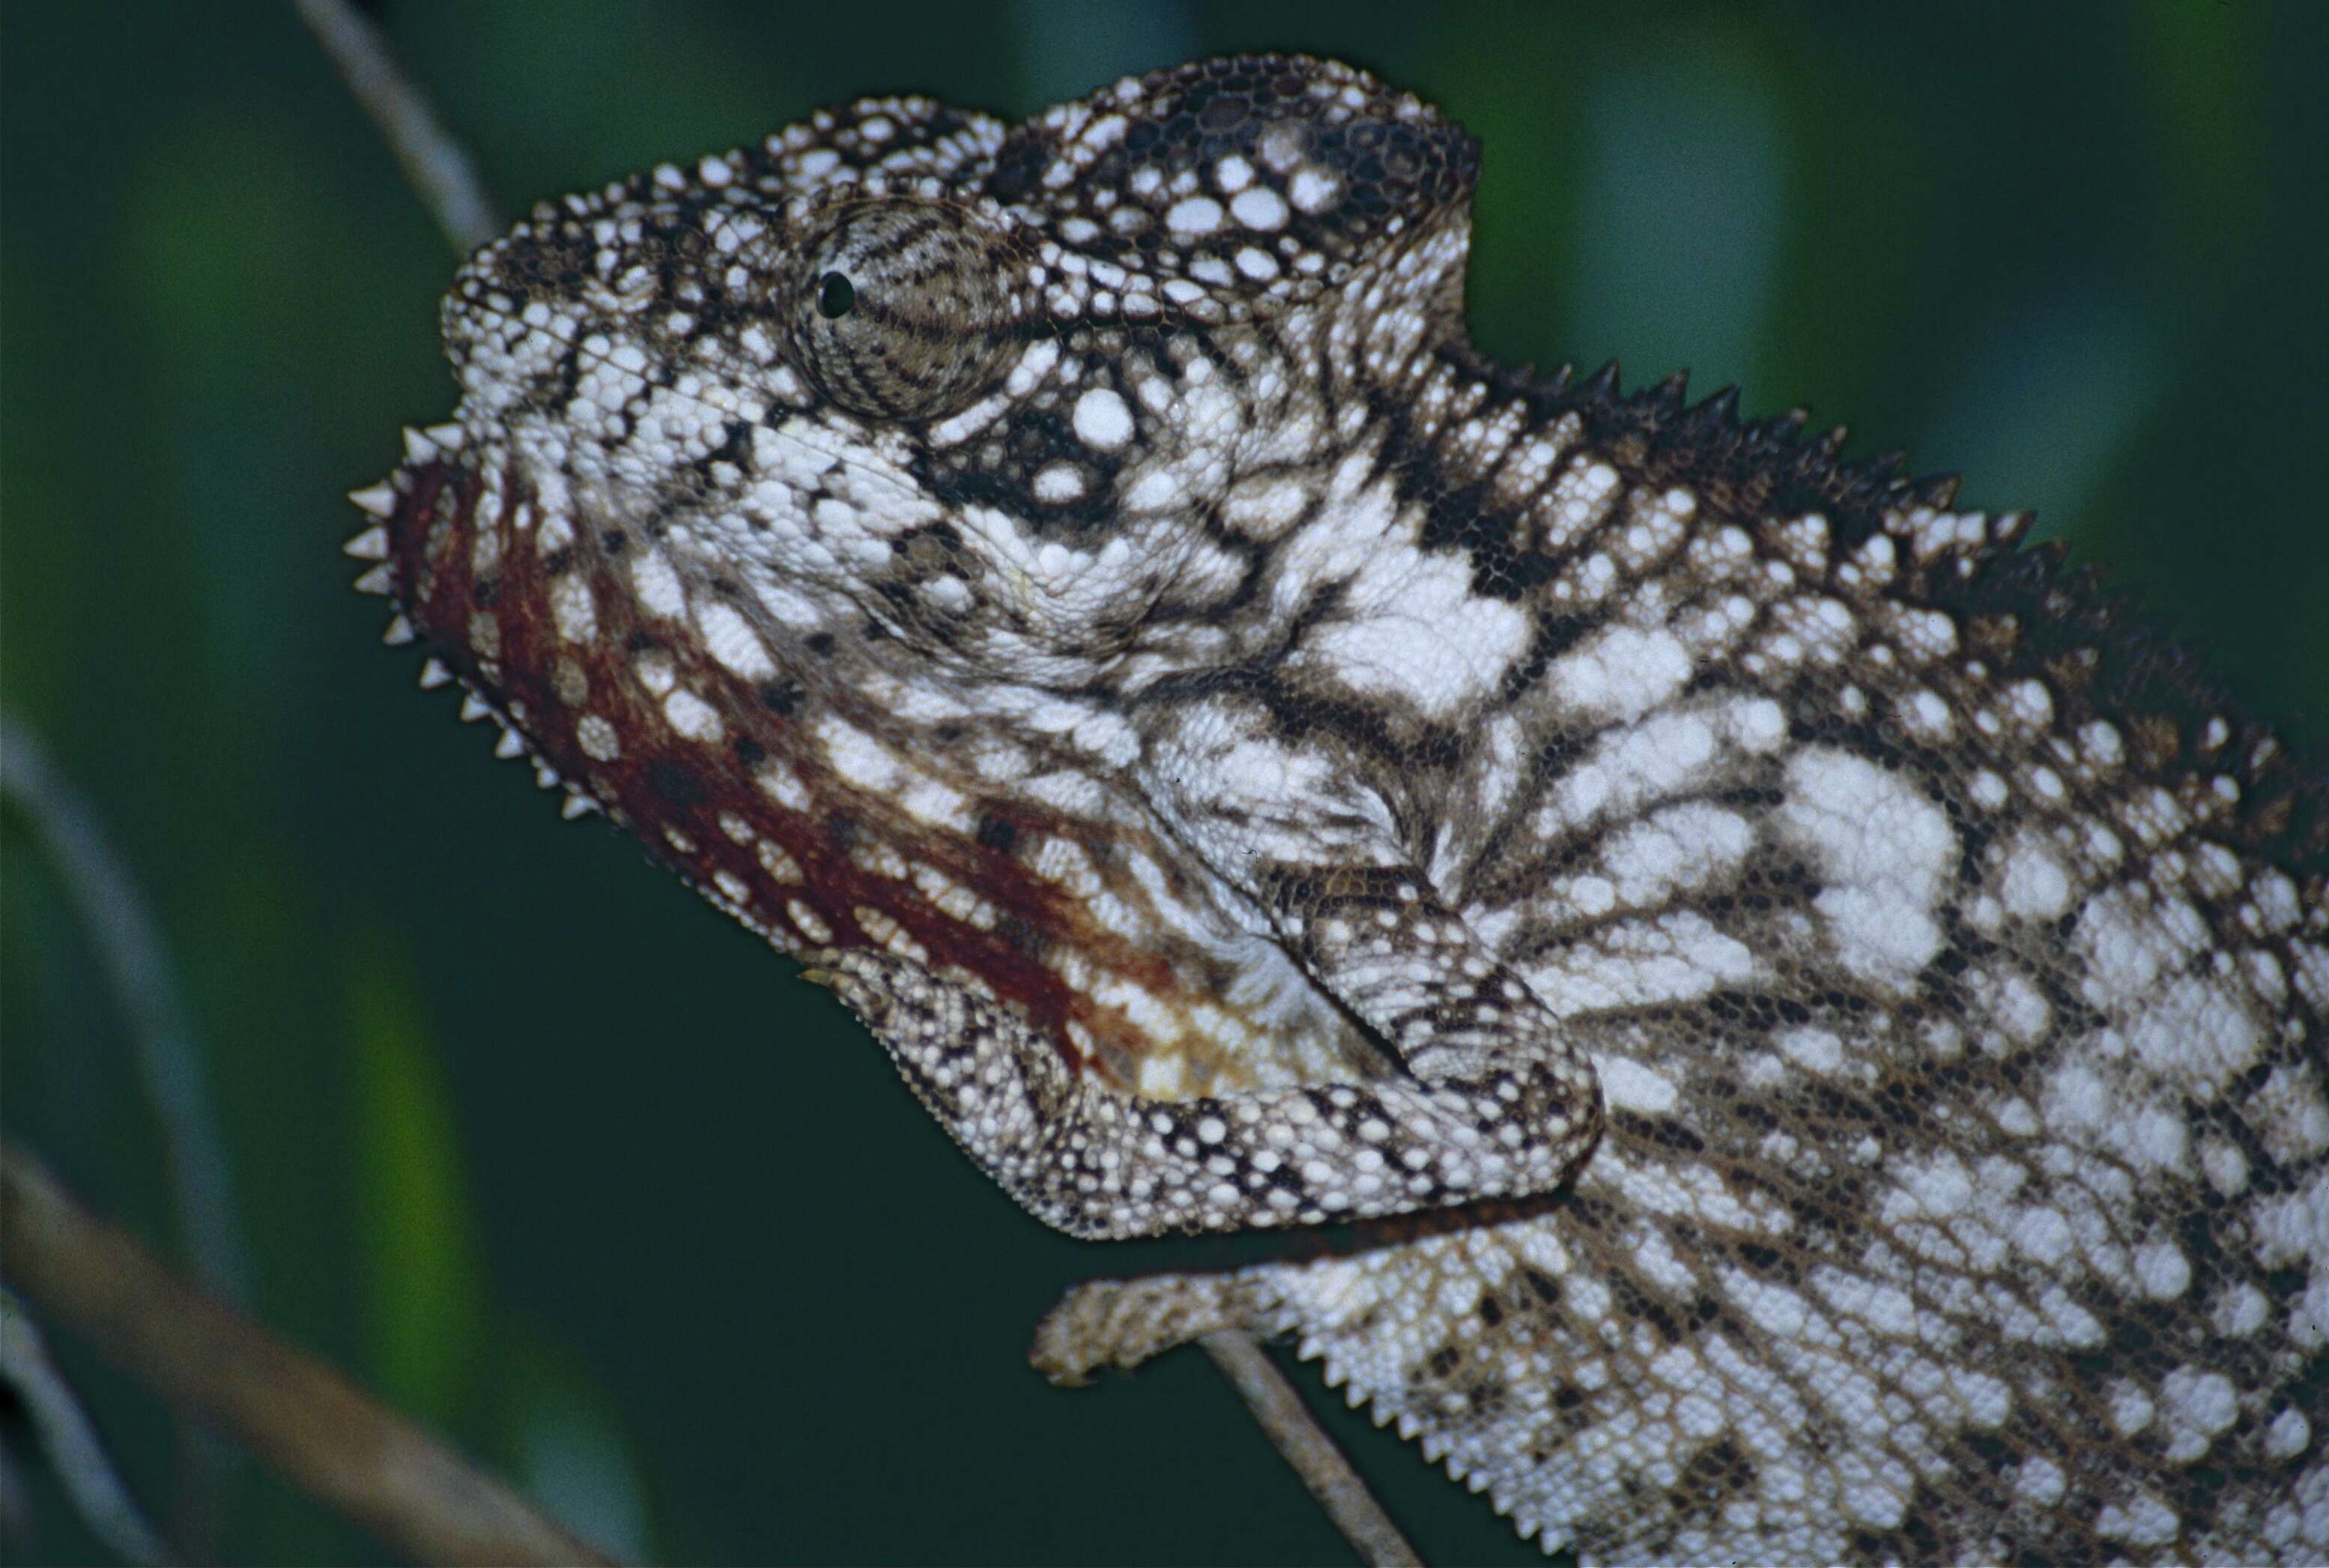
<point>1816,1018</point>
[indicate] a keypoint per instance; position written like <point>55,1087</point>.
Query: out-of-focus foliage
<point>527,1139</point>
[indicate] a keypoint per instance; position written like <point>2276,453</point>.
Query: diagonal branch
<point>437,167</point>
<point>70,1439</point>
<point>128,943</point>
<point>171,1063</point>
<point>1287,1420</point>
<point>324,1434</point>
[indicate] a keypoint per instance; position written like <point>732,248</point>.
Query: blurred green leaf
<point>420,1247</point>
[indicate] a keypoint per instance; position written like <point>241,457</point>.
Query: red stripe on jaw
<point>497,632</point>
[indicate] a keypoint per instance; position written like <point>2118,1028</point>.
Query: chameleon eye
<point>904,309</point>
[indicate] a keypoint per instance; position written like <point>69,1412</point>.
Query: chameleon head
<point>986,388</point>
<point>843,434</point>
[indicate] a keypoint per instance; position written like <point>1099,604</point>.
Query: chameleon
<point>1779,1019</point>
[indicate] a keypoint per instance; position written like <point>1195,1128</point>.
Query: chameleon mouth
<point>754,791</point>
<point>433,494</point>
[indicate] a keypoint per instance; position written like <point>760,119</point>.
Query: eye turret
<point>903,310</point>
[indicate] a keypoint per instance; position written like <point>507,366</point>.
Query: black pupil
<point>834,297</point>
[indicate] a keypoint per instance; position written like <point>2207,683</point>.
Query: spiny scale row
<point>372,544</point>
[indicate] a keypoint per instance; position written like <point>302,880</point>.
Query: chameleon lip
<point>389,502</point>
<point>421,562</point>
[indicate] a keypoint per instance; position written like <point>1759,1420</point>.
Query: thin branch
<point>324,1434</point>
<point>1305,1446</point>
<point>437,167</point>
<point>70,1439</point>
<point>172,1067</point>
<point>129,945</point>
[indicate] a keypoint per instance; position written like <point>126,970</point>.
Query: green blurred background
<point>525,1138</point>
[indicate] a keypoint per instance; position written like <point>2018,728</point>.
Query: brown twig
<point>324,1434</point>
<point>1287,1421</point>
